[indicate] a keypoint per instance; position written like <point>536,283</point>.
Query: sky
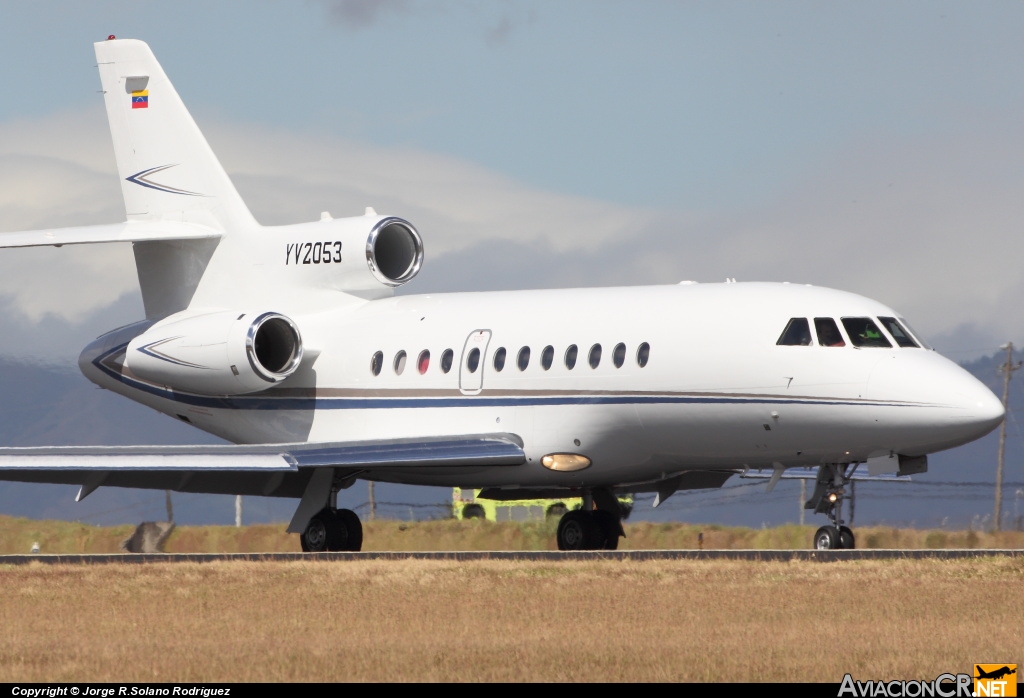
<point>873,147</point>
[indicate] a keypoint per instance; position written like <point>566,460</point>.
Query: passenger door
<point>471,366</point>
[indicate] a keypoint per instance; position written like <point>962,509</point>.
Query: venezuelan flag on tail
<point>140,99</point>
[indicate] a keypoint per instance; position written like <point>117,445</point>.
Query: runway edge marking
<point>523,556</point>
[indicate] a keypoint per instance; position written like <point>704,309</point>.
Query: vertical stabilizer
<point>167,169</point>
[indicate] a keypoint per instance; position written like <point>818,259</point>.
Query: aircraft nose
<point>974,408</point>
<point>983,407</point>
<point>957,407</point>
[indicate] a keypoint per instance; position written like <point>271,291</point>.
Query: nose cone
<point>980,410</point>
<point>944,403</point>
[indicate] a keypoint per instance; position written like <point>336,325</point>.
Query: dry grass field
<point>492,620</point>
<point>17,536</point>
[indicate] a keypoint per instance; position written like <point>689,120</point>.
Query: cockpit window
<point>828,332</point>
<point>864,332</point>
<point>901,336</point>
<point>915,334</point>
<point>797,333</point>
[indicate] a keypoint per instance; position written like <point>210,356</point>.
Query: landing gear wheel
<point>353,530</point>
<point>609,526</point>
<point>826,538</point>
<point>577,530</point>
<point>316,537</point>
<point>846,539</point>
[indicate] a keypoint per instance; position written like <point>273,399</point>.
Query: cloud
<point>358,14</point>
<point>499,20</point>
<point>59,172</point>
<point>929,226</point>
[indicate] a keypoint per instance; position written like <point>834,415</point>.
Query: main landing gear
<point>827,499</point>
<point>589,528</point>
<point>332,530</point>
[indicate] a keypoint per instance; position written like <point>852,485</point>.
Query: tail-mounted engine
<point>394,251</point>
<point>217,352</point>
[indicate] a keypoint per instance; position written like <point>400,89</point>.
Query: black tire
<point>826,538</point>
<point>556,510</point>
<point>317,536</point>
<point>578,530</point>
<point>353,530</point>
<point>610,527</point>
<point>847,541</point>
<point>473,511</point>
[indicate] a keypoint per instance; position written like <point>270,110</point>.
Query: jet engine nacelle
<point>394,251</point>
<point>217,352</point>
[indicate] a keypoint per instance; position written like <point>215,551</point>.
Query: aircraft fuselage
<point>713,375</point>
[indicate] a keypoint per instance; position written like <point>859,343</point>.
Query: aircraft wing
<point>267,469</point>
<point>130,231</point>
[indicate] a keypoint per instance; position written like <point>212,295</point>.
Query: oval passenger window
<point>523,360</point>
<point>643,354</point>
<point>619,355</point>
<point>547,357</point>
<point>570,357</point>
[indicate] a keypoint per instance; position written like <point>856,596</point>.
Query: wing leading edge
<point>261,469</point>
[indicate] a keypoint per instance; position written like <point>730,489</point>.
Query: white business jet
<point>288,342</point>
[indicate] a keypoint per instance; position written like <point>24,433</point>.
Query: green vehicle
<point>466,504</point>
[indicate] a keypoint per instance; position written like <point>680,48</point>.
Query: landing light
<point>832,497</point>
<point>565,462</point>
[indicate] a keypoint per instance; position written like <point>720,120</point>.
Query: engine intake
<point>217,352</point>
<point>394,251</point>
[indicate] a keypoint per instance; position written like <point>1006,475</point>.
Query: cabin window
<point>473,360</point>
<point>499,359</point>
<point>377,363</point>
<point>523,360</point>
<point>400,358</point>
<point>864,332</point>
<point>423,362</point>
<point>619,355</point>
<point>446,360</point>
<point>901,336</point>
<point>570,357</point>
<point>547,357</point>
<point>796,334</point>
<point>828,332</point>
<point>595,356</point>
<point>643,354</point>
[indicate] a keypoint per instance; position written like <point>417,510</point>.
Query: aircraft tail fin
<point>168,171</point>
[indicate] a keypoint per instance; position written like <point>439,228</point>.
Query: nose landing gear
<point>827,499</point>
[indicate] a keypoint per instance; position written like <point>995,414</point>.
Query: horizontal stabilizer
<point>118,232</point>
